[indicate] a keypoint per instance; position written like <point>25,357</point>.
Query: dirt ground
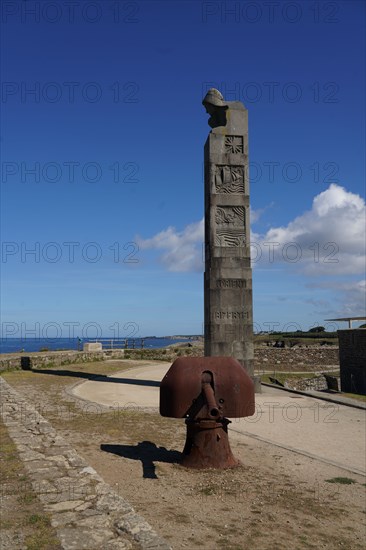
<point>276,499</point>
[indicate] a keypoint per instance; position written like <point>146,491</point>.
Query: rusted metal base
<point>207,445</point>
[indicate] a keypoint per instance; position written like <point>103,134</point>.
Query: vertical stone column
<point>228,276</point>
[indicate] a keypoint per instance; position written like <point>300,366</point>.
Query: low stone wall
<point>265,358</point>
<point>269,358</point>
<point>316,383</point>
<point>55,359</point>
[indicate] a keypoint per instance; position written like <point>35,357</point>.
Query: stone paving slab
<point>86,512</point>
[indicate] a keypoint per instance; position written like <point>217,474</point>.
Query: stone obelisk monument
<point>228,275</point>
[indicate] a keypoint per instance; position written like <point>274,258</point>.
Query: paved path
<point>326,431</point>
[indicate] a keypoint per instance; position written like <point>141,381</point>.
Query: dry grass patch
<point>22,518</point>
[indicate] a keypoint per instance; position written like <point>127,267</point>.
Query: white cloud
<point>328,239</point>
<point>182,250</point>
<point>255,214</point>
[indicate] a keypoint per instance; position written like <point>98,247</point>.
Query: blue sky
<point>102,138</point>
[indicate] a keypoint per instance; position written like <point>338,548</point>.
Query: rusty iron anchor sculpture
<point>205,391</point>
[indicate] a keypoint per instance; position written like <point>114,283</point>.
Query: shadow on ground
<point>98,377</point>
<point>147,452</point>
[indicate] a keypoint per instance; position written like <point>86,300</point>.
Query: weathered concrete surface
<point>86,512</point>
<point>352,358</point>
<point>138,387</point>
<point>228,276</point>
<point>329,432</point>
<point>93,346</point>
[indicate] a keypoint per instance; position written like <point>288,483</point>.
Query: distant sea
<point>15,345</point>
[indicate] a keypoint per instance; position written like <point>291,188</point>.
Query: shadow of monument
<point>98,377</point>
<point>147,452</point>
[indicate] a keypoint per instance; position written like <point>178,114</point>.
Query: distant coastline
<point>23,345</point>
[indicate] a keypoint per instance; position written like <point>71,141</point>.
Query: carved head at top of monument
<point>216,107</point>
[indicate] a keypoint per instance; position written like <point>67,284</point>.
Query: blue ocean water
<point>15,345</point>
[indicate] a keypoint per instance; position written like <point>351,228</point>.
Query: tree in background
<point>317,329</point>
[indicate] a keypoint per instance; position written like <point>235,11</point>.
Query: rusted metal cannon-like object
<point>205,391</point>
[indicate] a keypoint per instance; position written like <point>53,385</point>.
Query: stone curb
<point>331,398</point>
<point>86,512</point>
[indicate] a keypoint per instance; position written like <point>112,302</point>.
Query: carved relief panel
<point>229,179</point>
<point>234,144</point>
<point>230,226</point>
